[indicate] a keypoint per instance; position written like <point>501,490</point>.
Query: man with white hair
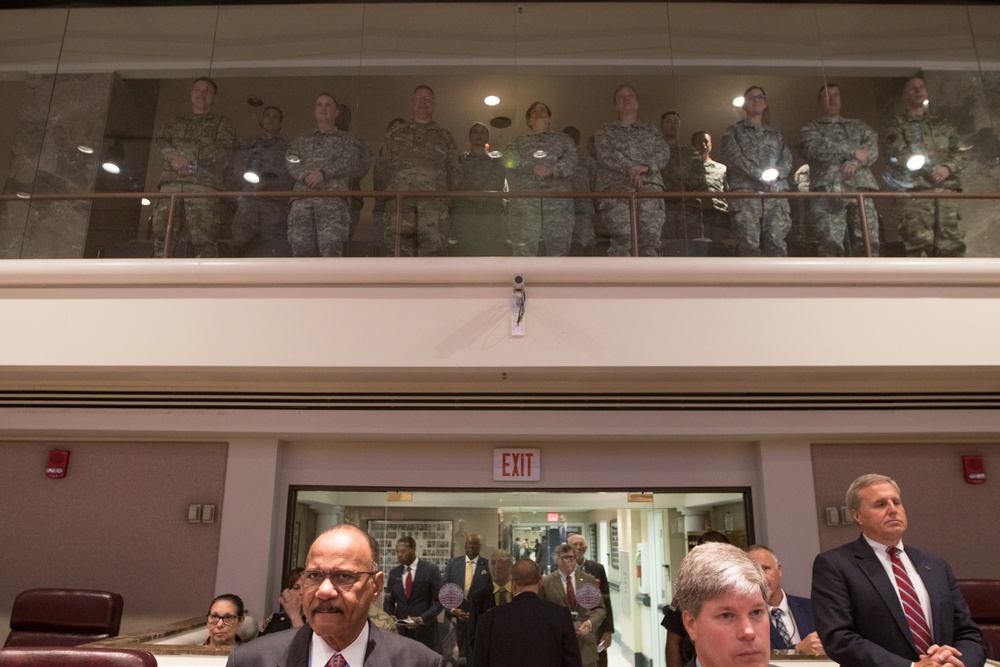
<point>722,595</point>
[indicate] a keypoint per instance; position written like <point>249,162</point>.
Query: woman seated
<point>225,618</point>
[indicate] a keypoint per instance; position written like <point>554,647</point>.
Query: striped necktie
<point>779,622</point>
<point>911,604</point>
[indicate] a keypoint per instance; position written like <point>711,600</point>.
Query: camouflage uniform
<point>584,180</point>
<point>827,143</point>
<point>476,223</point>
<point>419,157</point>
<point>759,225</point>
<point>715,211</point>
<point>683,173</point>
<point>206,141</point>
<point>620,146</point>
<point>535,219</point>
<point>260,220</point>
<point>930,227</point>
<point>316,223</point>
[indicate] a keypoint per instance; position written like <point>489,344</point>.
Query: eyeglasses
<point>342,579</point>
<point>756,98</point>
<point>422,98</point>
<point>227,620</point>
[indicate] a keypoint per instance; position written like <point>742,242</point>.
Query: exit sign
<point>517,465</point>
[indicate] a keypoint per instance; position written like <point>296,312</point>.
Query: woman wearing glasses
<point>225,618</point>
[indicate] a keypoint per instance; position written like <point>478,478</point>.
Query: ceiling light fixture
<point>491,100</point>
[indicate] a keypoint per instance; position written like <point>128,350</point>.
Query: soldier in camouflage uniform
<point>757,160</point>
<point>840,152</point>
<point>584,180</point>
<point>541,161</point>
<point>476,223</point>
<point>714,211</point>
<point>683,173</point>
<point>194,151</point>
<point>327,159</point>
<point>420,156</point>
<point>380,181</point>
<point>928,227</point>
<point>630,157</point>
<point>261,224</point>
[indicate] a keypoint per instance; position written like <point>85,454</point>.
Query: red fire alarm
<point>972,466</point>
<point>58,463</point>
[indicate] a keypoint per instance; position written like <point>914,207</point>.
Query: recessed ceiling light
<point>738,101</point>
<point>85,149</point>
<point>500,122</point>
<point>491,100</point>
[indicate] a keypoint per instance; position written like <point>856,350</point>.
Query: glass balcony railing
<point>880,123</point>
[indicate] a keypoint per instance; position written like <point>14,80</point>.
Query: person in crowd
<point>584,180</point>
<point>561,587</point>
<point>380,181</point>
<point>323,160</point>
<point>879,602</point>
<point>356,203</point>
<point>840,152</point>
<point>476,223</point>
<point>683,173</point>
<point>757,160</point>
<point>925,155</point>
<point>412,594</point>
<point>544,161</point>
<point>341,580</point>
<point>607,628</point>
<point>420,156</point>
<point>500,592</point>
<point>290,615</point>
<point>225,618</point>
<point>260,228</point>
<point>529,630</point>
<point>714,210</point>
<point>630,157</point>
<point>679,648</point>
<point>471,572</point>
<point>791,617</point>
<point>194,151</point>
<point>722,597</point>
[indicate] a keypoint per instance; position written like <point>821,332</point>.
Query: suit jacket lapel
<point>297,654</point>
<point>874,570</point>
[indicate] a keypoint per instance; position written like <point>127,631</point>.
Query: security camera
<point>518,283</point>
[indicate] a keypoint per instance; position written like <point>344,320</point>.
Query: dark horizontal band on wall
<point>39,4</point>
<point>496,401</point>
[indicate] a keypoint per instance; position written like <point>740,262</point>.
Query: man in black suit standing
<point>412,595</point>
<point>792,624</point>
<point>501,591</point>
<point>596,570</point>
<point>529,630</point>
<point>341,579</point>
<point>877,602</point>
<point>471,572</point>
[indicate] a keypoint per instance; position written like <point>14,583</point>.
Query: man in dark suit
<point>872,597</point>
<point>529,630</point>
<point>412,595</point>
<point>792,625</point>
<point>722,597</point>
<point>342,578</point>
<point>596,570</point>
<point>500,592</point>
<point>472,573</point>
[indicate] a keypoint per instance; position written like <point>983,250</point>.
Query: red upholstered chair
<point>63,617</point>
<point>74,657</point>
<point>983,598</point>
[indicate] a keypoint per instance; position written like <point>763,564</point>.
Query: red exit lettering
<point>517,464</point>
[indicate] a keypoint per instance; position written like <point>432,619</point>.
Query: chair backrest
<point>36,656</point>
<point>63,617</point>
<point>983,598</point>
